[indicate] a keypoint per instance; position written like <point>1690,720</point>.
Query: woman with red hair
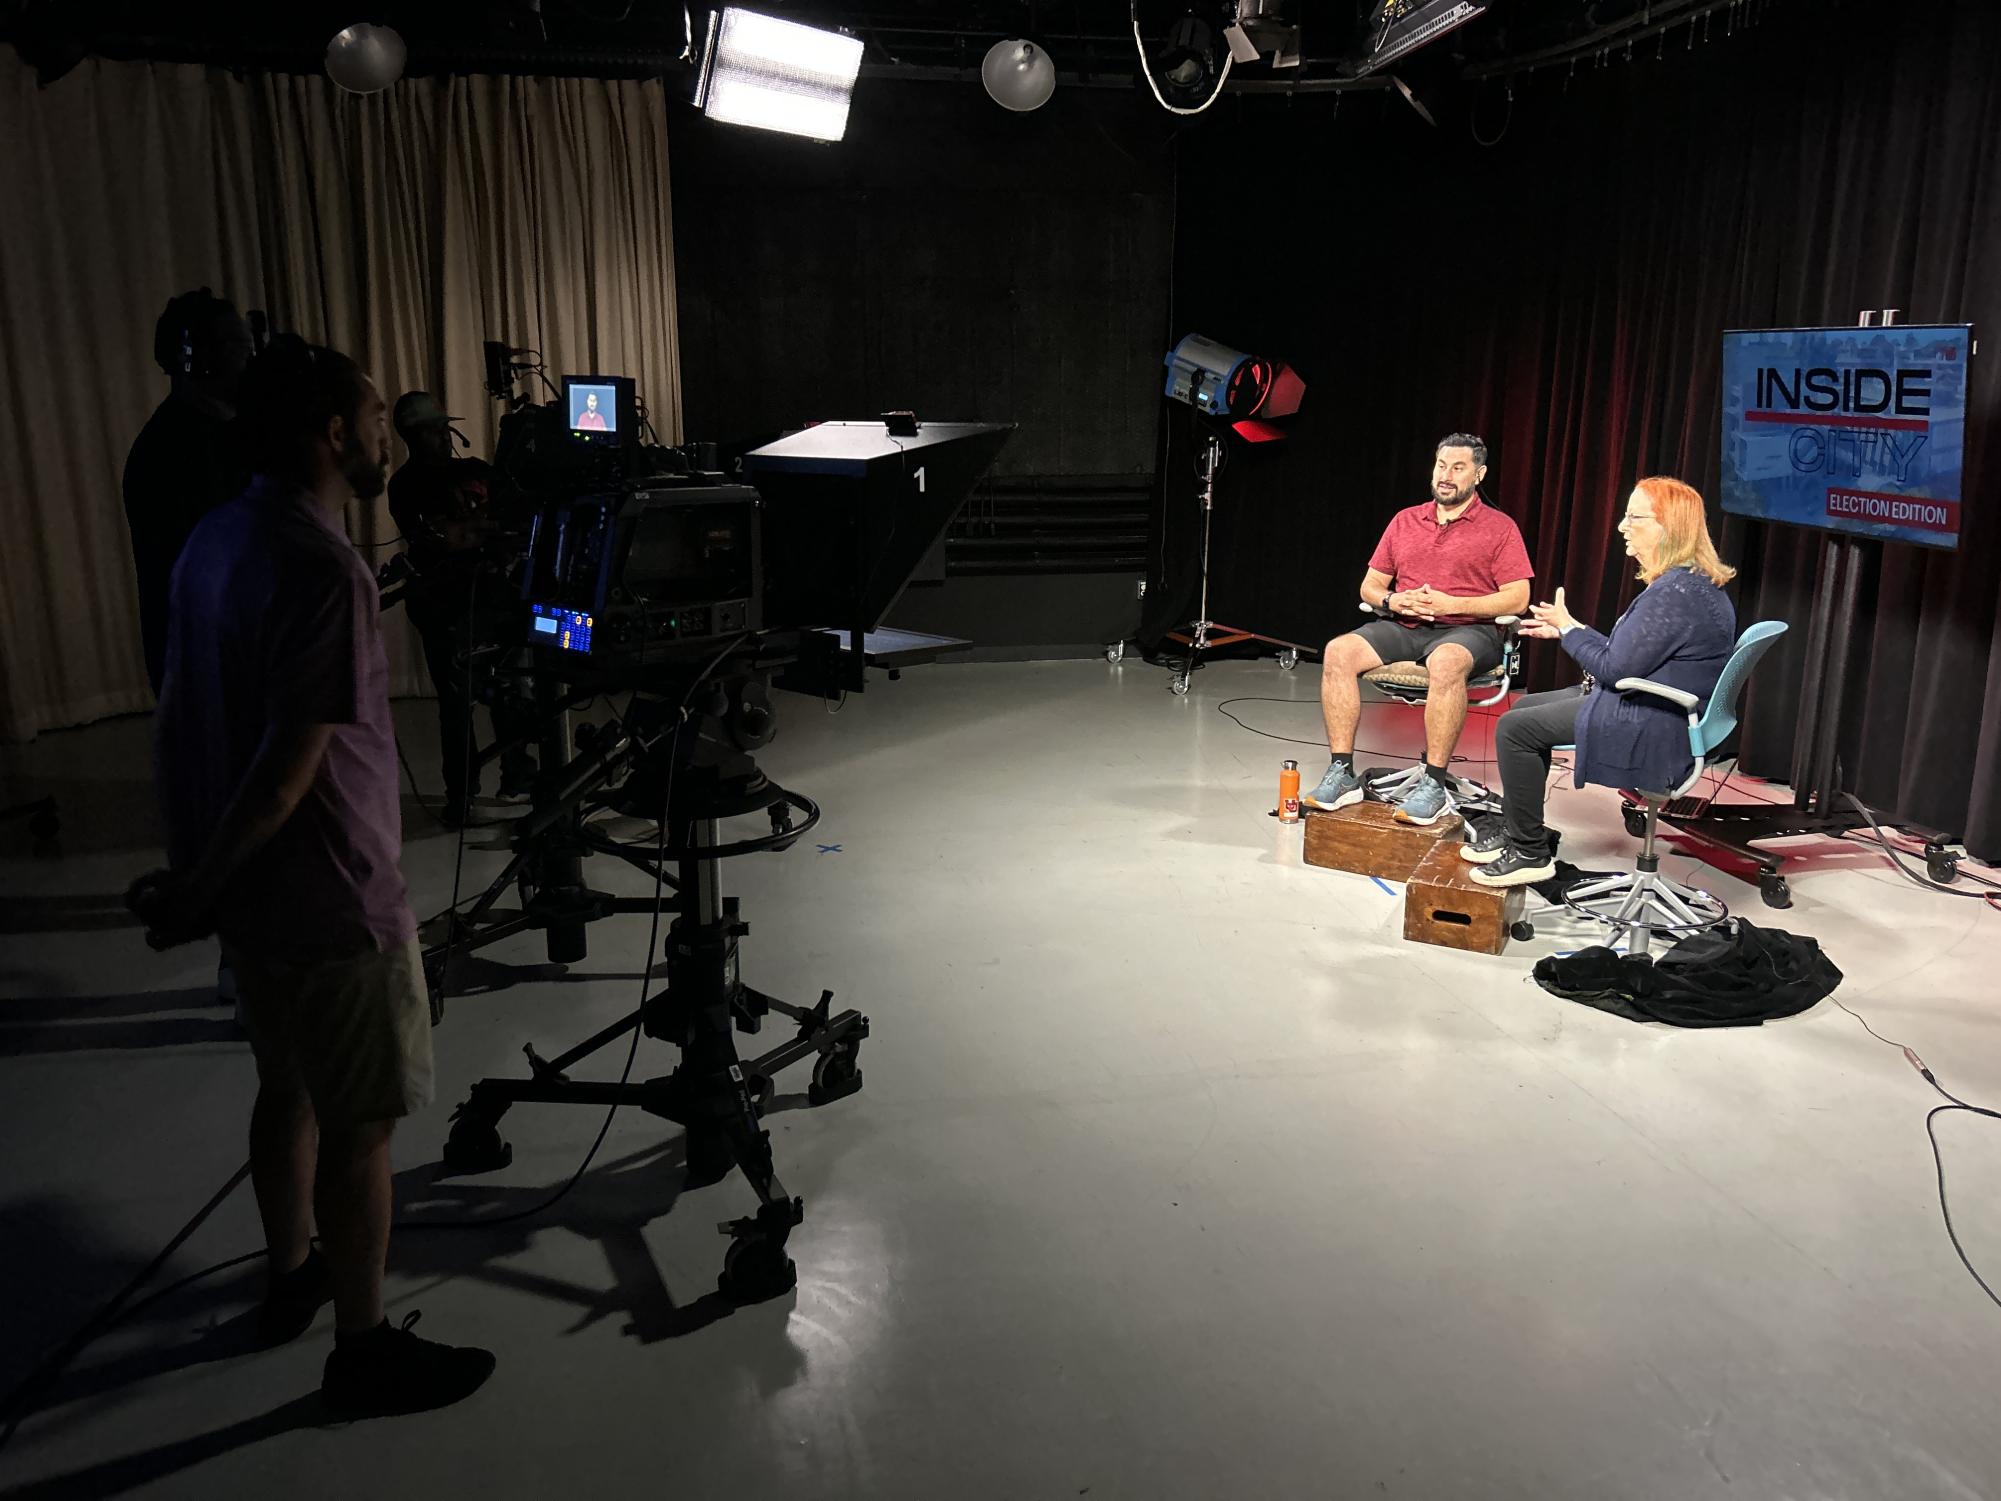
<point>1679,633</point>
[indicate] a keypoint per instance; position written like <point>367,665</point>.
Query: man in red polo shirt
<point>1443,571</point>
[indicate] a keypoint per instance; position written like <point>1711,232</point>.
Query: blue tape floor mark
<point>1384,884</point>
<point>830,849</point>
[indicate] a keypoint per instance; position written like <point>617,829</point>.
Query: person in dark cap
<point>186,461</point>
<point>446,507</point>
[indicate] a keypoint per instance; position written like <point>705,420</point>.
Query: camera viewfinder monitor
<point>602,410</point>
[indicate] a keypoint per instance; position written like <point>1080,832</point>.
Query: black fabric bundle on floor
<point>1736,975</point>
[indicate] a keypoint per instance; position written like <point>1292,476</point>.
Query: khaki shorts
<point>354,1034</point>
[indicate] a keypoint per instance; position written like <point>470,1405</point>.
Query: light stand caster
<point>1115,653</point>
<point>1178,685</point>
<point>1288,659</point>
<point>475,1145</point>
<point>1772,886</point>
<point>1522,931</point>
<point>836,1074</point>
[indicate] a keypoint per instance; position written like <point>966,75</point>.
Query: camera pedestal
<point>716,1095</point>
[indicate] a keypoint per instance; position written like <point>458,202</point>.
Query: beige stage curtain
<point>404,228</point>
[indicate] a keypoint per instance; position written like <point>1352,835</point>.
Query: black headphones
<point>176,347</point>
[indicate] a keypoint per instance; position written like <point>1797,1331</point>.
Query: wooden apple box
<point>1443,905</point>
<point>1366,838</point>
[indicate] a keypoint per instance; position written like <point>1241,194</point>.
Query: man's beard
<point>367,477</point>
<point>1457,498</point>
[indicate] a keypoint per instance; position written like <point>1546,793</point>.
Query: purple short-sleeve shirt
<point>275,621</point>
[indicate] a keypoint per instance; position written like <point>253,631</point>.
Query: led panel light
<point>777,75</point>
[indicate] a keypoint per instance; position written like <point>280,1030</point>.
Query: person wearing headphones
<point>446,507</point>
<point>186,460</point>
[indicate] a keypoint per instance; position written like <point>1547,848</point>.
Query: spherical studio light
<point>366,58</point>
<point>1018,74</point>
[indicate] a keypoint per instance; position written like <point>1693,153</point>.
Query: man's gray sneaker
<point>1425,803</point>
<point>1337,789</point>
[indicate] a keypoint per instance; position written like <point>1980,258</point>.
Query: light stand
<point>1203,632</point>
<point>1249,393</point>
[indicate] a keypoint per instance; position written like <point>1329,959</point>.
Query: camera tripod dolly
<point>716,1095</point>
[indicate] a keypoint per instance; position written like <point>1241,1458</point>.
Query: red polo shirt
<point>1478,552</point>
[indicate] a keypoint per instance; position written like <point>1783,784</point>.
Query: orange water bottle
<point>1288,792</point>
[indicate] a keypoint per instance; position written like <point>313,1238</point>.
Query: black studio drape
<point>1563,292</point>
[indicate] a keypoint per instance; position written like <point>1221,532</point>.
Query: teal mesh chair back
<point>1719,719</point>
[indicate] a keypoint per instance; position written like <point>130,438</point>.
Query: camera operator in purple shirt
<point>276,761</point>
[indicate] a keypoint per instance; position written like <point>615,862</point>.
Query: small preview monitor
<point>600,408</point>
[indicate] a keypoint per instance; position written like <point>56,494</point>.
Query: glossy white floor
<point>1178,1173</point>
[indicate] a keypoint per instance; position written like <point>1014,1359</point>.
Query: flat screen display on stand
<point>1856,430</point>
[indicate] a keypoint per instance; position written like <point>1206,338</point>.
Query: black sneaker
<point>1485,848</point>
<point>294,1300</point>
<point>1513,868</point>
<point>390,1370</point>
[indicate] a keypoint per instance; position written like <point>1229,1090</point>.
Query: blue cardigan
<point>1680,632</point>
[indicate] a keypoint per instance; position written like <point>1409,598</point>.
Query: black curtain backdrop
<point>1563,292</point>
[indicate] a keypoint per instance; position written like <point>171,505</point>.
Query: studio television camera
<point>650,573</point>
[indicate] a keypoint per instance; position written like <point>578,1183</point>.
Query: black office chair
<point>1409,683</point>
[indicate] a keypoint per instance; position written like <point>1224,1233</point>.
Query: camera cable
<point>1223,708</point>
<point>1896,858</point>
<point>1955,1106</point>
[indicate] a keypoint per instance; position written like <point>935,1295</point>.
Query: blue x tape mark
<point>829,849</point>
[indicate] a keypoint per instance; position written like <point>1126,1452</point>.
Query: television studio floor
<point>1177,1172</point>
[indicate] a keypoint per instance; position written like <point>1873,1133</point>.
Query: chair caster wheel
<point>1774,889</point>
<point>1115,653</point>
<point>1521,932</point>
<point>836,1075</point>
<point>474,1146</point>
<point>1288,659</point>
<point>756,1268</point>
<point>1636,821</point>
<point>1178,685</point>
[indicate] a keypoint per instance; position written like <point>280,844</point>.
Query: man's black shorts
<point>1413,643</point>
